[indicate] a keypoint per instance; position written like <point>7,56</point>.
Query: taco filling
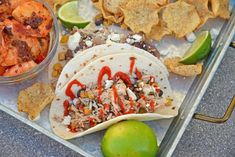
<point>123,93</point>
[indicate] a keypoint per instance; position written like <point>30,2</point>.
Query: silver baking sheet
<point>188,93</point>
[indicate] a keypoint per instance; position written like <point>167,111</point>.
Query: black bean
<point>160,93</point>
<point>99,21</point>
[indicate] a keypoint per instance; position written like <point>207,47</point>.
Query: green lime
<point>199,49</point>
<point>129,138</point>
<point>69,15</point>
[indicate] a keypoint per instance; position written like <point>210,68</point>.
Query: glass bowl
<point>54,41</point>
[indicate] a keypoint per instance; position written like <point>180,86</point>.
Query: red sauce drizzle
<point>117,98</point>
<point>124,77</point>
<point>132,63</point>
<point>69,91</point>
<point>66,108</point>
<point>138,74</point>
<point>152,105</point>
<point>104,71</point>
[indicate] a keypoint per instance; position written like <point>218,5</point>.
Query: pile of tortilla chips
<point>157,18</point>
<point>56,3</point>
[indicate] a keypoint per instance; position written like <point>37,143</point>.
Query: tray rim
<point>199,86</point>
<point>169,143</point>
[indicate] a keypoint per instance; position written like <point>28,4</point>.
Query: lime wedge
<point>69,15</point>
<point>199,49</point>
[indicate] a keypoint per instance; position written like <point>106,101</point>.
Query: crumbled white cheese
<point>88,43</point>
<point>108,84</point>
<point>67,120</point>
<point>75,101</point>
<point>133,39</point>
<point>191,37</point>
<point>214,33</point>
<point>131,94</point>
<point>74,40</point>
<point>113,38</point>
<point>148,89</point>
<point>137,37</point>
<point>130,41</point>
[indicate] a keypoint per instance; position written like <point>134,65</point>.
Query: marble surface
<point>200,138</point>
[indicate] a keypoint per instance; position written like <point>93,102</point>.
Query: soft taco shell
<point>89,75</point>
<point>85,57</point>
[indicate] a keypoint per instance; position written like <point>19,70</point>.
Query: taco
<point>110,89</point>
<point>85,57</point>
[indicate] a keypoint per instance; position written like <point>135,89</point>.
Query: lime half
<point>129,139</point>
<point>199,49</point>
<point>69,15</point>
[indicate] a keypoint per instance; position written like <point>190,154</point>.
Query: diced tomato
<point>157,89</point>
<point>72,129</point>
<point>92,122</point>
<point>106,107</point>
<point>101,113</point>
<point>152,105</point>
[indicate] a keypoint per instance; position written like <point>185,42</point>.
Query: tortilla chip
<point>140,16</point>
<point>202,9</point>
<point>160,2</point>
<point>159,31</point>
<point>220,8</point>
<point>181,18</point>
<point>116,18</point>
<point>174,66</point>
<point>34,99</point>
<point>113,6</point>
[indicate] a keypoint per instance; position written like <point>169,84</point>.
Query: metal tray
<point>169,131</point>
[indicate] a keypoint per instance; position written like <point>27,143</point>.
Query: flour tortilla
<point>82,59</point>
<point>117,62</point>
